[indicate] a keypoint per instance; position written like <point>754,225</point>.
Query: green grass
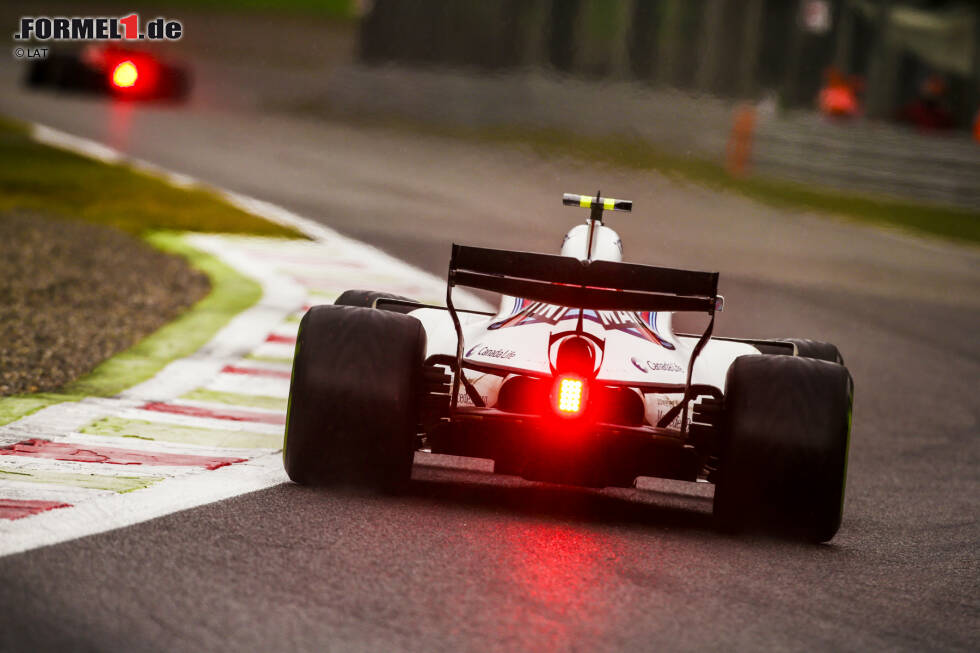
<point>951,223</point>
<point>63,184</point>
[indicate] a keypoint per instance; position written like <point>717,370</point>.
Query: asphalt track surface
<point>469,561</point>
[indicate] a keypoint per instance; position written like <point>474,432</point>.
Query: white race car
<point>578,378</point>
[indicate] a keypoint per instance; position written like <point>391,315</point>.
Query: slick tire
<point>180,86</point>
<point>823,351</point>
<point>369,299</point>
<point>783,466</point>
<point>39,73</point>
<point>354,398</point>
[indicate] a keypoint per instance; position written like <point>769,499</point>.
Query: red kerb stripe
<point>256,371</point>
<point>16,509</point>
<point>233,415</point>
<point>286,340</point>
<point>110,455</point>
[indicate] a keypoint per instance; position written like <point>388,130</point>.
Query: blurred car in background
<point>111,70</point>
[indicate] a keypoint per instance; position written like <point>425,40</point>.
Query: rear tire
<point>354,398</point>
<point>787,421</point>
<point>369,299</point>
<point>823,351</point>
<point>180,86</point>
<point>39,73</point>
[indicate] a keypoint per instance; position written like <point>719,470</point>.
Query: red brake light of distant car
<point>569,395</point>
<point>125,74</point>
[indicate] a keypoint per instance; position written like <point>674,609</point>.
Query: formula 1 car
<point>111,70</point>
<point>578,379</point>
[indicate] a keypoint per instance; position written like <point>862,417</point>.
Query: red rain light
<point>569,395</point>
<point>125,74</point>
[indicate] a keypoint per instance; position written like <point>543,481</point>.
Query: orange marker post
<point>740,143</point>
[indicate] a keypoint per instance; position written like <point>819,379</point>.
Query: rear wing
<point>597,285</point>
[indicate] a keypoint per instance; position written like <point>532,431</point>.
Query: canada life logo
<point>97,28</point>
